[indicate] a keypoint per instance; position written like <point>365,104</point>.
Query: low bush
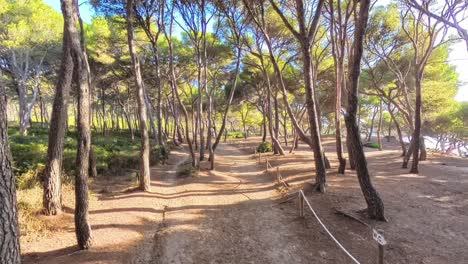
<point>159,154</point>
<point>372,145</point>
<point>234,135</point>
<point>186,170</point>
<point>112,154</point>
<point>265,147</point>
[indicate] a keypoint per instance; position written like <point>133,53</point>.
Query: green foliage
<point>265,147</point>
<point>113,154</point>
<point>235,134</point>
<point>186,170</point>
<point>159,154</point>
<point>372,145</point>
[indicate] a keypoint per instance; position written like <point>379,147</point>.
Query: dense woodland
<point>82,99</point>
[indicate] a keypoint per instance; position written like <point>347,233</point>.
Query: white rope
<point>269,164</point>
<point>326,229</point>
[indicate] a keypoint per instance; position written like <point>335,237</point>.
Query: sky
<point>458,55</point>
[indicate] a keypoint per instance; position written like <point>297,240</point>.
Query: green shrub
<point>159,154</point>
<point>113,153</point>
<point>233,135</point>
<point>123,160</point>
<point>265,147</point>
<point>186,170</point>
<point>30,178</point>
<point>372,145</point>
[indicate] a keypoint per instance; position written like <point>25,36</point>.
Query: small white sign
<point>379,237</point>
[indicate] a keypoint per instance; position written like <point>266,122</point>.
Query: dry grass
<point>33,223</point>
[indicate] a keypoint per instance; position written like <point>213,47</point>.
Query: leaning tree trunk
<point>313,119</point>
<point>51,200</point>
<point>9,231</point>
<point>375,206</point>
<point>173,82</point>
<point>231,96</point>
<point>144,177</point>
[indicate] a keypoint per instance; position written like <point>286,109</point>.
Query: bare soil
<point>240,214</point>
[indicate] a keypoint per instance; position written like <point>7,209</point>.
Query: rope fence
<point>376,234</point>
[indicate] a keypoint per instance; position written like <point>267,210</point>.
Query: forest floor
<point>239,214</point>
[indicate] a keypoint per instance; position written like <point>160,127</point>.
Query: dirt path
<point>121,220</point>
<point>231,215</point>
<point>234,214</point>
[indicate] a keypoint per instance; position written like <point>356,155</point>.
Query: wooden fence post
<point>381,249</point>
<point>378,236</point>
<point>301,205</point>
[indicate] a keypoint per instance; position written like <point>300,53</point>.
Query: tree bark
<point>338,54</point>
<point>305,36</point>
<point>9,231</point>
<point>400,135</point>
<point>371,130</point>
<point>231,96</point>
<point>417,126</point>
<point>379,127</point>
<point>174,87</point>
<point>144,177</point>
<point>52,177</point>
<point>375,206</point>
<point>82,226</point>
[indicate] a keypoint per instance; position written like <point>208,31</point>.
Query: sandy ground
<point>427,213</point>
<point>121,221</point>
<point>236,214</point>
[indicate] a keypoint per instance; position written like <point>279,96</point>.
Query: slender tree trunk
<point>9,231</point>
<point>400,135</point>
<point>375,206</point>
<point>313,118</point>
<point>338,53</point>
<point>371,131</point>
<point>144,177</point>
<point>379,127</point>
<point>276,116</point>
<point>78,47</point>
<point>103,109</point>
<point>174,87</point>
<point>52,177</point>
<point>264,124</point>
<point>417,126</point>
<point>231,96</point>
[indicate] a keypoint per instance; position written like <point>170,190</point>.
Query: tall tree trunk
<point>103,109</point>
<point>81,68</point>
<point>371,131</point>
<point>264,124</point>
<point>379,127</point>
<point>174,87</point>
<point>400,135</point>
<point>375,206</point>
<point>144,177</point>
<point>52,177</point>
<point>313,118</point>
<point>338,53</point>
<point>417,126</point>
<point>9,231</point>
<point>276,116</point>
<point>149,110</point>
<point>231,96</point>
<point>389,131</point>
